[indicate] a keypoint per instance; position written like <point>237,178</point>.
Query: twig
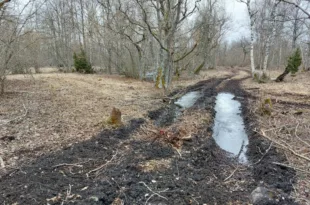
<point>154,193</point>
<point>306,143</point>
<point>231,174</point>
<point>68,192</point>
<point>176,149</point>
<point>73,165</point>
<point>264,154</point>
<point>195,200</point>
<point>65,164</point>
<point>102,166</point>
<point>241,149</point>
<point>286,148</point>
<point>292,167</point>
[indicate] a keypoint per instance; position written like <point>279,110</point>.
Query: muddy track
<point>106,168</point>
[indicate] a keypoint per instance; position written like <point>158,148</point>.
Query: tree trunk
<point>252,47</point>
<point>110,61</point>
<point>244,57</point>
<point>270,37</point>
<point>281,77</point>
<point>2,86</point>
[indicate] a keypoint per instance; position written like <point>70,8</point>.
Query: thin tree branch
<point>297,6</point>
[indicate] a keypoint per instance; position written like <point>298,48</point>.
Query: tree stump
<point>115,117</point>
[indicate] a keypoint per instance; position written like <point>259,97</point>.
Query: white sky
<point>240,20</point>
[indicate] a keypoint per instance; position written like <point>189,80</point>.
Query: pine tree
<point>293,64</point>
<point>81,63</point>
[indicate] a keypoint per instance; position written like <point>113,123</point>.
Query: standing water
<point>228,131</point>
<point>188,100</point>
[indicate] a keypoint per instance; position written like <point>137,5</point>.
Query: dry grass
<point>48,111</point>
<point>289,124</point>
<point>51,111</point>
<point>291,85</point>
<point>155,165</point>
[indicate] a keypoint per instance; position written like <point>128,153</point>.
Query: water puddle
<point>188,100</point>
<point>171,115</point>
<point>229,131</point>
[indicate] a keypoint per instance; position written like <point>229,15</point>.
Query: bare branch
<point>297,6</point>
<point>186,54</point>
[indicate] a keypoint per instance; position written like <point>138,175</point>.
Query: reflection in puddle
<point>188,100</point>
<point>228,131</point>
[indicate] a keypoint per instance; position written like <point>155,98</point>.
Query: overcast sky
<point>240,20</point>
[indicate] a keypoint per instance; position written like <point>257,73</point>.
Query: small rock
<point>260,194</point>
<point>2,165</point>
<point>94,198</point>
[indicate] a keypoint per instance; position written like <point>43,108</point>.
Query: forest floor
<point>52,152</point>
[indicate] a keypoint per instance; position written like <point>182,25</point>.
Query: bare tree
<point>244,44</point>
<point>170,14</point>
<point>13,30</point>
<point>211,25</point>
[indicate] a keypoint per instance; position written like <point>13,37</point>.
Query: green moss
<point>266,107</point>
<point>198,69</point>
<point>158,77</point>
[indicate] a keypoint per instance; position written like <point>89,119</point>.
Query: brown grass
<point>48,111</point>
<point>52,111</point>
<point>289,124</point>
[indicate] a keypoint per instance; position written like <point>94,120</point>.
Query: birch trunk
<point>252,47</point>
<point>270,37</point>
<point>252,19</point>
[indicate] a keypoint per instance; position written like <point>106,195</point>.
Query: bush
<point>294,61</point>
<point>293,64</point>
<point>81,63</point>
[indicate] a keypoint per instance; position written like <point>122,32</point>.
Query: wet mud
<point>106,169</point>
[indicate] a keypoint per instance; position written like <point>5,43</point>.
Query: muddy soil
<point>106,169</point>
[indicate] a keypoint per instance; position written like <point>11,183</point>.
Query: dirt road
<point>177,163</point>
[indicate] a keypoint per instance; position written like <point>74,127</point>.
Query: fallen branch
<point>286,148</point>
<point>292,167</point>
<point>232,174</point>
<point>154,193</point>
<point>264,154</point>
<point>241,149</point>
<point>306,143</point>
<point>72,165</point>
<point>69,165</point>
<point>102,166</point>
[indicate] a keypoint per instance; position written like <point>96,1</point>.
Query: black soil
<point>69,176</point>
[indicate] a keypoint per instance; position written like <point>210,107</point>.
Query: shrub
<point>81,63</point>
<point>293,64</point>
<point>294,61</point>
